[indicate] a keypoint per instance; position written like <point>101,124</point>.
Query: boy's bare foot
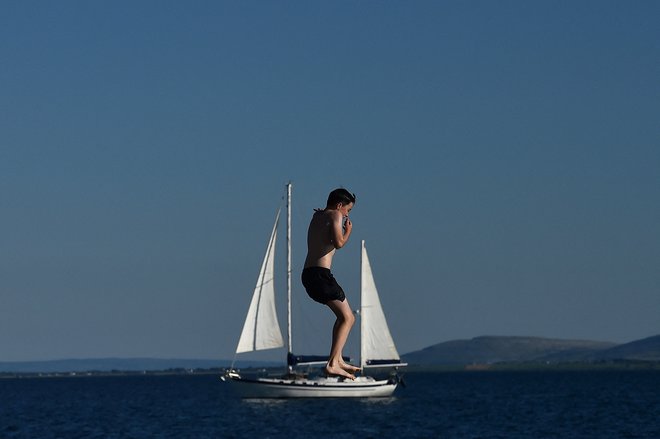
<point>349,367</point>
<point>338,371</point>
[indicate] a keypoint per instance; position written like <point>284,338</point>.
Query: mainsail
<point>261,329</point>
<point>377,346</point>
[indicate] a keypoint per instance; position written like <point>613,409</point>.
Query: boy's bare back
<point>326,234</point>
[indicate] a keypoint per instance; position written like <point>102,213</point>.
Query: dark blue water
<point>602,404</point>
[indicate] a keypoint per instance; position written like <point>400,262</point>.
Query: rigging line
<point>304,317</point>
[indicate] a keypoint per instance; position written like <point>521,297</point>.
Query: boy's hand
<point>348,225</point>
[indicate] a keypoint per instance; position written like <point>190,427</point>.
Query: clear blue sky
<point>505,156</point>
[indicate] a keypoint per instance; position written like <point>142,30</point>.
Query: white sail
<point>376,340</point>
<point>261,329</point>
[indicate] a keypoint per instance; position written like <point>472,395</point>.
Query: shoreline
<point>614,365</point>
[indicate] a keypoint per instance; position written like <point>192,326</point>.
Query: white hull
<point>321,387</point>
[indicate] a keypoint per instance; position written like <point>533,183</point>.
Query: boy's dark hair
<point>340,195</point>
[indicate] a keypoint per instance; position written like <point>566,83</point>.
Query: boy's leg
<point>340,331</point>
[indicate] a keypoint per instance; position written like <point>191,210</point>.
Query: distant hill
<point>492,349</point>
<point>647,349</point>
<point>479,350</point>
<point>120,364</point>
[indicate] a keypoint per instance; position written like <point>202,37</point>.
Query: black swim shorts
<point>321,285</point>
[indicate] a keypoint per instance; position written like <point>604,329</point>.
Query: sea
<point>469,404</point>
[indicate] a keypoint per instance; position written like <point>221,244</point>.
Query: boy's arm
<point>338,235</point>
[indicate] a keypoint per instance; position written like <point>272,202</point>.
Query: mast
<point>288,263</point>
<point>362,349</point>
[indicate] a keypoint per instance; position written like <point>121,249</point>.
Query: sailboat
<point>261,330</point>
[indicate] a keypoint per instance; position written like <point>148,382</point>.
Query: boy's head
<point>342,196</point>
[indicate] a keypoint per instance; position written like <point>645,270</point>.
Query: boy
<point>328,231</point>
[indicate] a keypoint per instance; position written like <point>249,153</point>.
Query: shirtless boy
<point>329,230</point>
